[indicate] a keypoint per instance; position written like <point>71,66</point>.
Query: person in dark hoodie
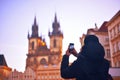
<point>90,63</point>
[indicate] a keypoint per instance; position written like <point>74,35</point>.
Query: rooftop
<point>2,60</point>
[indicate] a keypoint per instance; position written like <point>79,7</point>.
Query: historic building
<point>16,75</point>
<point>102,34</point>
<point>4,69</point>
<point>28,74</point>
<point>109,37</point>
<point>43,61</point>
<point>114,39</point>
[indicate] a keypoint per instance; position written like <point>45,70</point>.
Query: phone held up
<point>71,47</point>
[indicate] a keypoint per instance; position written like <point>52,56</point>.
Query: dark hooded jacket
<point>90,63</point>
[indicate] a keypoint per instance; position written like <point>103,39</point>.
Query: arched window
<point>32,45</point>
<point>43,61</point>
<point>35,61</point>
<point>54,43</point>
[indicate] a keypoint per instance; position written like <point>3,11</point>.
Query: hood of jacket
<point>94,51</point>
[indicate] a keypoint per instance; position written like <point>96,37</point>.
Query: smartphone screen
<point>71,46</point>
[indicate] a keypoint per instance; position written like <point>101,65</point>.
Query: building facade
<point>4,69</point>
<point>114,39</point>
<point>43,61</point>
<point>28,74</point>
<point>102,34</point>
<point>16,75</point>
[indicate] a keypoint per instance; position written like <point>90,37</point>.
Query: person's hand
<point>74,52</point>
<point>68,53</point>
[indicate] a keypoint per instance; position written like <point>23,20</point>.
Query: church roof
<point>2,60</point>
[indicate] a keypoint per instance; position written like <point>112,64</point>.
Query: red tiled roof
<point>103,27</point>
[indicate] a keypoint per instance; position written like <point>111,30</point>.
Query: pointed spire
<point>95,25</point>
<point>28,35</point>
<point>55,19</point>
<point>56,28</point>
<point>35,20</point>
<point>34,28</point>
<point>55,25</point>
<point>96,28</point>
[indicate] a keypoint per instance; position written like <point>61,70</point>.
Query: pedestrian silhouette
<point>90,63</point>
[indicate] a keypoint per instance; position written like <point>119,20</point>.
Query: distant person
<point>90,63</point>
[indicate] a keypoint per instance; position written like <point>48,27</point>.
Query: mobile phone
<point>71,46</point>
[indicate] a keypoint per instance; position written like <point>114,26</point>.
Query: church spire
<point>35,20</point>
<point>55,19</point>
<point>56,28</point>
<point>34,28</point>
<point>28,35</point>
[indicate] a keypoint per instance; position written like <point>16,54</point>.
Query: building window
<point>43,61</point>
<point>108,53</point>
<point>112,33</point>
<point>118,64</point>
<point>35,61</point>
<point>55,43</point>
<point>115,31</point>
<point>106,39</point>
<point>114,48</point>
<point>115,64</point>
<point>32,45</point>
<point>119,28</point>
<point>119,45</point>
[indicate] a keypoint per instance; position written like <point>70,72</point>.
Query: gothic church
<point>45,62</point>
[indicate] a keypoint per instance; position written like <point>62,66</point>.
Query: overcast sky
<point>74,16</point>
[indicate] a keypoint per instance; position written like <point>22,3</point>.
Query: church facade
<point>43,61</point>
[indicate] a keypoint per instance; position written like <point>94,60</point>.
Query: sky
<point>74,16</point>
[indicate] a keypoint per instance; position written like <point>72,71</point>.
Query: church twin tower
<point>38,52</point>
